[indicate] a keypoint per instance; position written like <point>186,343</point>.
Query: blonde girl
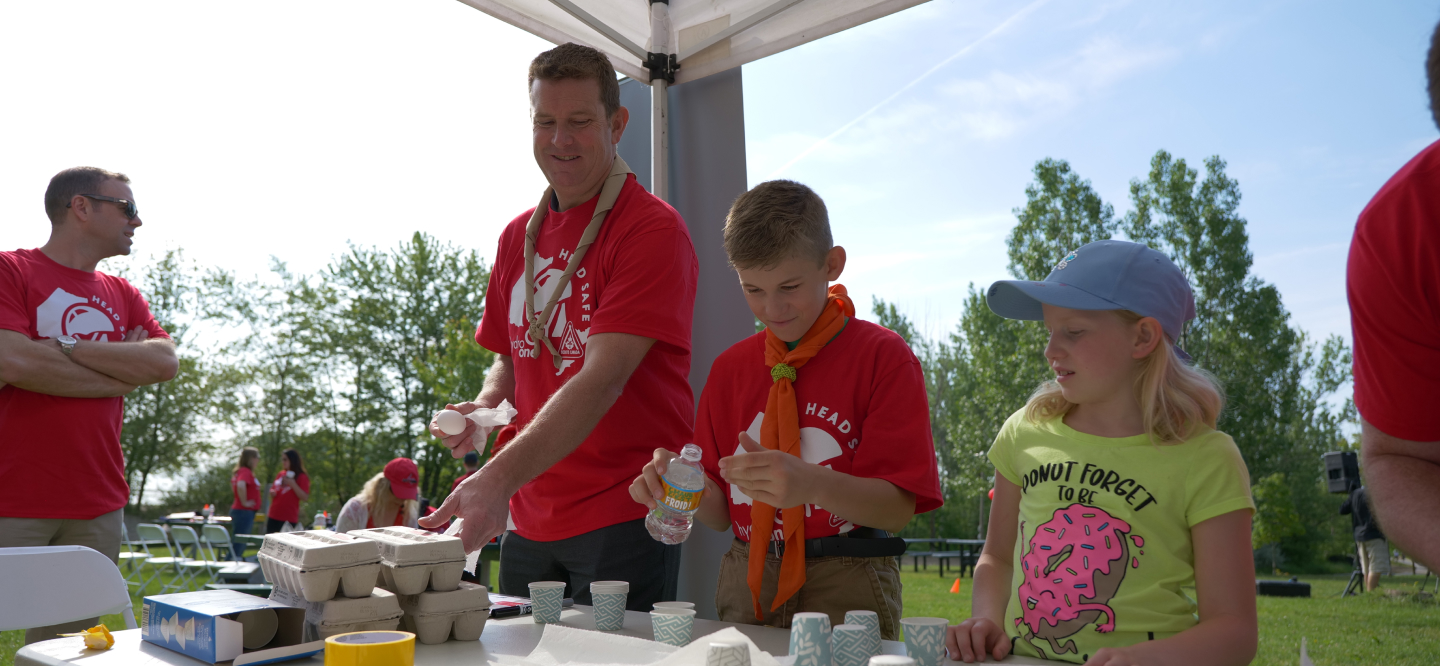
<point>389,498</point>
<point>1114,492</point>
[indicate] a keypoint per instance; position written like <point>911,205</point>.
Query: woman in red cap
<point>389,498</point>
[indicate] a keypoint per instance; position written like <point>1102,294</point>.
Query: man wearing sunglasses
<point>73,342</point>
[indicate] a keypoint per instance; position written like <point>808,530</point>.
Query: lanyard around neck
<point>536,322</point>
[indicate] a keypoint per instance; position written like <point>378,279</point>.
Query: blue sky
<point>290,129</point>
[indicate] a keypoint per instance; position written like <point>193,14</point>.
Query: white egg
<point>450,421</point>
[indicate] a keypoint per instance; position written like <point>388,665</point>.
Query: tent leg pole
<point>659,140</point>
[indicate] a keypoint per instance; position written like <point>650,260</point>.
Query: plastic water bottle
<point>684,482</point>
<point>320,520</point>
<point>209,512</point>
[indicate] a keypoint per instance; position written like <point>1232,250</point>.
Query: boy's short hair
<point>776,220</point>
<point>70,182</point>
<point>576,61</point>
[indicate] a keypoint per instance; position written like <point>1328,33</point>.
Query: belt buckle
<point>777,548</point>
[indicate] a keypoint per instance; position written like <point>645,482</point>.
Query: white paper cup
<point>810,639</point>
<point>674,604</point>
<point>925,639</point>
<point>728,653</point>
<point>607,603</point>
<point>545,599</point>
<point>673,626</point>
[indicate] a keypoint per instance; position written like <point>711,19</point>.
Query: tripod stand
<point>1356,584</point>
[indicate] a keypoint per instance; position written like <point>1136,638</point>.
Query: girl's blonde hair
<point>1174,397</point>
<point>382,502</point>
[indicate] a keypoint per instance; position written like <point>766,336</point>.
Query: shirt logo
<point>64,313</point>
<point>575,305</point>
<point>1066,261</point>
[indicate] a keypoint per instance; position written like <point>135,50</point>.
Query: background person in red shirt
<point>389,498</point>
<point>1393,281</point>
<point>290,488</point>
<point>472,463</point>
<point>604,379</point>
<point>247,498</point>
<point>73,341</point>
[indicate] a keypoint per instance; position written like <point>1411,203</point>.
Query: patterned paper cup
<point>674,604</point>
<point>925,639</point>
<point>871,621</point>
<point>608,601</point>
<point>850,645</point>
<point>810,639</point>
<point>735,653</point>
<point>672,626</point>
<point>545,598</point>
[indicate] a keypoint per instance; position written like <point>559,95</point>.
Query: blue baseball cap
<point>1104,275</point>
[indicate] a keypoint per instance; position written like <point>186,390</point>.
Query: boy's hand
<point>647,488</point>
<point>773,477</point>
<point>971,639</point>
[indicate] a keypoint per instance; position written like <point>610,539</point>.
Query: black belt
<point>870,543</point>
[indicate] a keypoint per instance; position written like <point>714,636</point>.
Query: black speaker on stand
<point>1342,475</point>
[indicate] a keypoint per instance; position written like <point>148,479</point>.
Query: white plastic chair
<point>129,557</point>
<point>204,561</point>
<point>49,585</point>
<point>151,533</point>
<point>218,538</point>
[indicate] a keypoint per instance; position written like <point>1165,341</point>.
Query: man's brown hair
<point>70,182</point>
<point>1432,74</point>
<point>777,220</point>
<point>573,61</point>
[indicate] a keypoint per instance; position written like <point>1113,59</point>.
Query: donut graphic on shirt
<point>1073,566</point>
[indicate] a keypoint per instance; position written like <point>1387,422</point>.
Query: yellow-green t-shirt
<point>1103,548</point>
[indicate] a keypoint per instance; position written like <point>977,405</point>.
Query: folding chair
<point>129,557</point>
<point>56,584</point>
<point>218,538</point>
<point>149,534</point>
<point>184,536</point>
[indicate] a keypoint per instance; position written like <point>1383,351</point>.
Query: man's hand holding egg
<point>456,432</point>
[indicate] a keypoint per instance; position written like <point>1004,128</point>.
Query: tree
<point>163,431</point>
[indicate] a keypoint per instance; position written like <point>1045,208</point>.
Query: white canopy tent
<point>702,43</point>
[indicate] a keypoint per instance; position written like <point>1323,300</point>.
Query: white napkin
<point>566,645</point>
<point>694,654</point>
<point>486,419</point>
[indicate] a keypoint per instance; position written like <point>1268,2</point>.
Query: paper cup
<point>810,639</point>
<point>674,604</point>
<point>736,653</point>
<point>871,621</point>
<point>672,626</point>
<point>607,599</point>
<point>545,598</point>
<point>849,645</point>
<point>925,639</point>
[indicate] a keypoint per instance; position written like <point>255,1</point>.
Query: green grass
<point>1395,625</point>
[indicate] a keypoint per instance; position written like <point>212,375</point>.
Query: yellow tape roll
<point>371,648</point>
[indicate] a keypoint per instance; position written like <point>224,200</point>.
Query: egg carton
<point>356,581</point>
<point>378,612</point>
<point>435,617</point>
<point>319,549</point>
<point>406,546</point>
<point>441,577</point>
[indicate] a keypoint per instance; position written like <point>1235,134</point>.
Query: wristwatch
<point>67,343</point>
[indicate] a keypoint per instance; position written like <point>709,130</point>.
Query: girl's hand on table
<point>970,640</point>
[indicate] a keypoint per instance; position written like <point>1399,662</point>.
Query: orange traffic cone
<point>955,589</point>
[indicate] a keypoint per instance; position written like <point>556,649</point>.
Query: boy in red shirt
<point>822,416</point>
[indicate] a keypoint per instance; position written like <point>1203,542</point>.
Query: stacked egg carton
<point>424,569</point>
<point>332,576</point>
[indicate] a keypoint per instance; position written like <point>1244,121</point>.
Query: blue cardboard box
<point>217,625</point>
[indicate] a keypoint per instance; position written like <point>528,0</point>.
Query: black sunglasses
<point>126,206</point>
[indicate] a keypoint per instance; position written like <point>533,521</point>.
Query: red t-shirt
<point>639,278</point>
<point>62,455</point>
<point>457,481</point>
<point>285,505</point>
<point>863,412</point>
<point>1393,282</point>
<point>244,476</point>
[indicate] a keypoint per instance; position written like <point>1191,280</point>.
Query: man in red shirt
<point>73,341</point>
<point>1394,288</point>
<point>589,314</point>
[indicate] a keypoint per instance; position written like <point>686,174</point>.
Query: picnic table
<point>966,555</point>
<point>515,636</point>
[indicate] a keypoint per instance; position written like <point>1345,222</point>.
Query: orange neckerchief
<point>780,430</point>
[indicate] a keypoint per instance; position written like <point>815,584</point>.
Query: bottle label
<point>681,499</point>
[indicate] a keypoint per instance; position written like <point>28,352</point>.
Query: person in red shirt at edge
<point>861,461</point>
<point>247,498</point>
<point>603,377</point>
<point>472,463</point>
<point>73,342</point>
<point>290,487</point>
<point>1393,280</point>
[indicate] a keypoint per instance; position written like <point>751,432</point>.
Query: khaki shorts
<point>101,533</point>
<point>833,585</point>
<point>1374,556</point>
